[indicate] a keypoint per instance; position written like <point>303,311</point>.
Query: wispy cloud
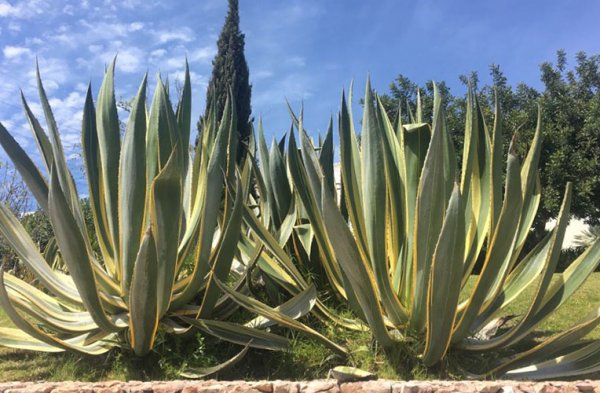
<point>24,9</point>
<point>203,55</point>
<point>184,34</point>
<point>15,52</point>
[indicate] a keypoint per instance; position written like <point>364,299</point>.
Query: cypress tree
<point>230,71</point>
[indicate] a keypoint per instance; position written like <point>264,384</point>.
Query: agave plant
<point>280,225</point>
<point>403,240</point>
<point>168,225</point>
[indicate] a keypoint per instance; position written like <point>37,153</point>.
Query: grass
<point>305,360</point>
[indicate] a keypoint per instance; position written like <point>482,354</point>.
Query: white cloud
<point>135,26</point>
<point>34,41</point>
<point>95,48</point>
<point>158,53</point>
<point>54,73</point>
<point>23,9</point>
<point>294,87</point>
<point>184,34</point>
<point>13,52</point>
<point>6,9</point>
<point>203,55</point>
<point>174,63</point>
<point>129,59</point>
<point>69,9</point>
<point>96,31</point>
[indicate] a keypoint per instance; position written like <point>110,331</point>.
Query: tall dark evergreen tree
<point>230,71</point>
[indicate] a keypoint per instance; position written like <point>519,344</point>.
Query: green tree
<point>571,118</point>
<point>571,149</point>
<point>230,71</point>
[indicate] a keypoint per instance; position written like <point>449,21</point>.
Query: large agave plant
<point>168,226</point>
<point>403,240</point>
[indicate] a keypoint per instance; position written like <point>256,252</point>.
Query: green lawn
<point>306,359</point>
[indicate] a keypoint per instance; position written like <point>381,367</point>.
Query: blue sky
<point>302,50</point>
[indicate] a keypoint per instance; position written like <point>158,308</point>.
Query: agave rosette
<point>168,225</point>
<point>402,240</point>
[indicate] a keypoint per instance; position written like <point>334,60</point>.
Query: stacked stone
<point>316,386</point>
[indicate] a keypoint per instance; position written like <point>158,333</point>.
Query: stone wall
<point>317,386</point>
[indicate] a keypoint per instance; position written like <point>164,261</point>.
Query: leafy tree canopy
<point>570,101</point>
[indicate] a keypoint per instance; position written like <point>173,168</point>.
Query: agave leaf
<point>27,169</point>
<point>350,374</point>
<point>279,317</point>
<point>75,253</point>
<point>33,309</point>
<point>17,339</point>
<point>395,171</point>
<point>75,344</point>
<point>580,362</point>
<point>239,334</point>
<point>573,276</point>
<point>201,372</point>
<point>351,174</point>
<point>282,195</point>
<point>132,185</point>
<point>91,155</point>
<point>444,282</point>
<point>143,298</point>
<point>470,141</point>
<point>165,218</point>
<point>41,139</point>
<point>326,157</point>
<point>48,310</point>
<point>287,226</point>
<point>307,194</point>
<point>51,304</point>
<point>499,251</point>
<point>375,209</point>
<point>21,243</point>
<point>538,308</point>
<point>431,204</point>
<point>476,184</point>
<point>374,192</point>
<point>295,119</point>
<point>183,115</point>
<point>305,235</point>
<point>530,180</point>
<point>357,270</point>
<point>496,162</point>
<point>263,178</point>
<point>519,279</point>
<point>109,147</point>
<point>416,138</point>
<point>163,134</point>
<point>268,265</point>
<point>298,306</point>
<point>207,215</point>
<point>57,149</point>
<point>221,263</point>
<point>552,346</point>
